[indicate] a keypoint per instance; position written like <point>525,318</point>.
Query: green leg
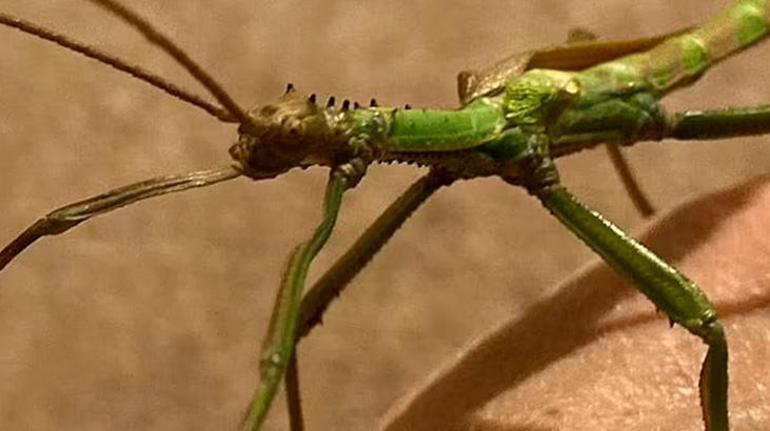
<point>627,177</point>
<point>293,397</point>
<point>278,345</point>
<point>65,218</point>
<point>671,291</point>
<point>331,284</point>
<point>720,123</point>
<point>688,125</point>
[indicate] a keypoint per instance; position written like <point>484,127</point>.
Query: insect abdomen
<point>681,60</point>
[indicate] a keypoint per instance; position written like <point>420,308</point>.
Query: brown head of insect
<point>292,132</point>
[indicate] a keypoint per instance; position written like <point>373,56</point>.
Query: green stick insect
<point>515,119</point>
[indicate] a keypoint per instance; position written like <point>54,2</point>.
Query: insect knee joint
<point>708,328</point>
<point>352,170</point>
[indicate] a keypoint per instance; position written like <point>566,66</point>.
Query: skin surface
<point>152,316</point>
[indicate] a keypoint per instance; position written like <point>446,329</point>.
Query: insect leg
<point>627,177</point>
<point>330,284</point>
<point>664,285</point>
<point>293,397</point>
<point>278,345</point>
<point>67,217</point>
<point>720,123</point>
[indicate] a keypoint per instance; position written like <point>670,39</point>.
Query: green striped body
<point>616,101</point>
<point>619,99</point>
<point>682,59</point>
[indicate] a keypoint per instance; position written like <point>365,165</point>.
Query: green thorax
<point>530,101</point>
<point>538,108</point>
<point>430,130</point>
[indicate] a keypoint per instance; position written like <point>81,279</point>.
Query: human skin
<point>594,354</point>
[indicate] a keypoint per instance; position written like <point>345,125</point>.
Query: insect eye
<point>268,110</point>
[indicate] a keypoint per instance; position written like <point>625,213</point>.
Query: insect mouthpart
<point>256,161</point>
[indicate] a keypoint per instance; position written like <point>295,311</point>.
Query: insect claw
<point>331,102</point>
<point>289,88</point>
<point>345,105</point>
<point>373,103</point>
<point>312,98</point>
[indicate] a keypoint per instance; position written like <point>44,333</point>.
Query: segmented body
<point>512,126</point>
<point>615,101</point>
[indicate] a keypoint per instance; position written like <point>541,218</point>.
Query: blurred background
<point>152,317</point>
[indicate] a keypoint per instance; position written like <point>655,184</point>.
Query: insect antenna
<point>116,63</point>
<point>155,37</point>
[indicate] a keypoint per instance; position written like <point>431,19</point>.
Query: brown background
<point>151,317</point>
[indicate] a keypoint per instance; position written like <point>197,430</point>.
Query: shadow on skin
<point>595,355</point>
